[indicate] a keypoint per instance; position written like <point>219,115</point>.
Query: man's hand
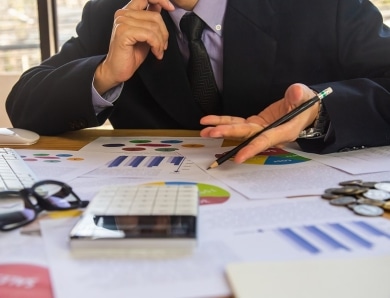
<point>229,127</point>
<point>138,27</point>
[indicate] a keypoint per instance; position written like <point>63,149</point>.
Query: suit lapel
<point>249,55</point>
<point>167,81</point>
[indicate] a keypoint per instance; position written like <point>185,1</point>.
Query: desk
<point>77,139</point>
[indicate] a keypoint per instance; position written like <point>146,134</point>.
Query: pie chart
<point>274,156</point>
<point>209,194</point>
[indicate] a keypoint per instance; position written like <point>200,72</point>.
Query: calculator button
<point>146,200</point>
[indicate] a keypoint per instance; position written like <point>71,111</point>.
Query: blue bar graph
<point>154,161</point>
<point>136,160</point>
<point>371,229</point>
<point>351,235</point>
<point>177,160</point>
<point>303,243</point>
<point>326,238</point>
<point>344,237</point>
<point>117,161</point>
<point>173,163</point>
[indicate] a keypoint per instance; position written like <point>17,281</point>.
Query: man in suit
<point>128,64</point>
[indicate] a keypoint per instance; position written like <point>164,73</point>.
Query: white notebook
<point>364,277</point>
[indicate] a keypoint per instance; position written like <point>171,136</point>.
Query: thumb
<point>297,94</point>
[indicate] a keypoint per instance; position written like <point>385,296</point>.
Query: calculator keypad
<point>146,200</point>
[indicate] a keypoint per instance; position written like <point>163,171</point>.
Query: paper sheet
<point>200,275</point>
<point>63,165</point>
<point>147,144</point>
<point>363,161</point>
<point>295,229</point>
<point>228,234</point>
<point>231,228</point>
<point>24,271</point>
<point>166,164</point>
<point>278,173</point>
<point>347,278</point>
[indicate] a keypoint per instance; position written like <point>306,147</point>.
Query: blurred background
<point>19,31</point>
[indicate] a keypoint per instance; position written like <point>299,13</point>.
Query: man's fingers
<point>153,5</point>
<point>257,145</point>
<point>228,127</point>
<point>137,4</point>
<point>236,131</point>
<point>247,152</point>
<point>221,120</point>
<point>146,26</point>
<point>271,138</point>
<point>150,26</point>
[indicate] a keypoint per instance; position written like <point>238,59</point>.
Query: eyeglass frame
<point>41,202</point>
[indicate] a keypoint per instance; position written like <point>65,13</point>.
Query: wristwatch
<point>320,125</point>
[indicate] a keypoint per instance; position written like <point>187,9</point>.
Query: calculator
<point>144,218</point>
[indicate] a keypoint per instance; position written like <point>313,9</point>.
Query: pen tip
<point>213,165</point>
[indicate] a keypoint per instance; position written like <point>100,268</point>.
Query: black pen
<point>278,122</point>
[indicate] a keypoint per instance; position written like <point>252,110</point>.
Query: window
<point>19,35</point>
<point>20,46</point>
<point>384,7</point>
<point>68,14</point>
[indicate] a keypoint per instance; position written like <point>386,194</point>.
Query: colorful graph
<point>274,156</point>
<point>209,194</point>
<point>51,158</point>
<point>150,144</point>
<point>144,161</point>
<point>162,145</point>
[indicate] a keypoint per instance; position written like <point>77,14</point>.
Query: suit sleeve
<point>358,108</point>
<point>55,96</point>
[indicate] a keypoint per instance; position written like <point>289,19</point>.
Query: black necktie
<point>200,73</point>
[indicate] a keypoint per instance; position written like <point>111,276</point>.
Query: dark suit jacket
<point>268,45</point>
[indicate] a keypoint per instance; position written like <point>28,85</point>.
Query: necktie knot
<point>192,26</point>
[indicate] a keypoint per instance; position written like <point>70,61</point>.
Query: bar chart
<point>328,239</point>
<point>347,236</point>
<point>164,165</point>
<point>146,161</point>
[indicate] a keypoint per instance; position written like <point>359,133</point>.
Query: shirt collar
<point>212,12</point>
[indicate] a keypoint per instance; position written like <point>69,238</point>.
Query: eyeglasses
<point>19,208</point>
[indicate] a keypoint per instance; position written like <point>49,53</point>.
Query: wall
<point>6,83</point>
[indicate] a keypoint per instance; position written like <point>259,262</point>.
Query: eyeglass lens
<point>13,212</point>
<point>53,196</point>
